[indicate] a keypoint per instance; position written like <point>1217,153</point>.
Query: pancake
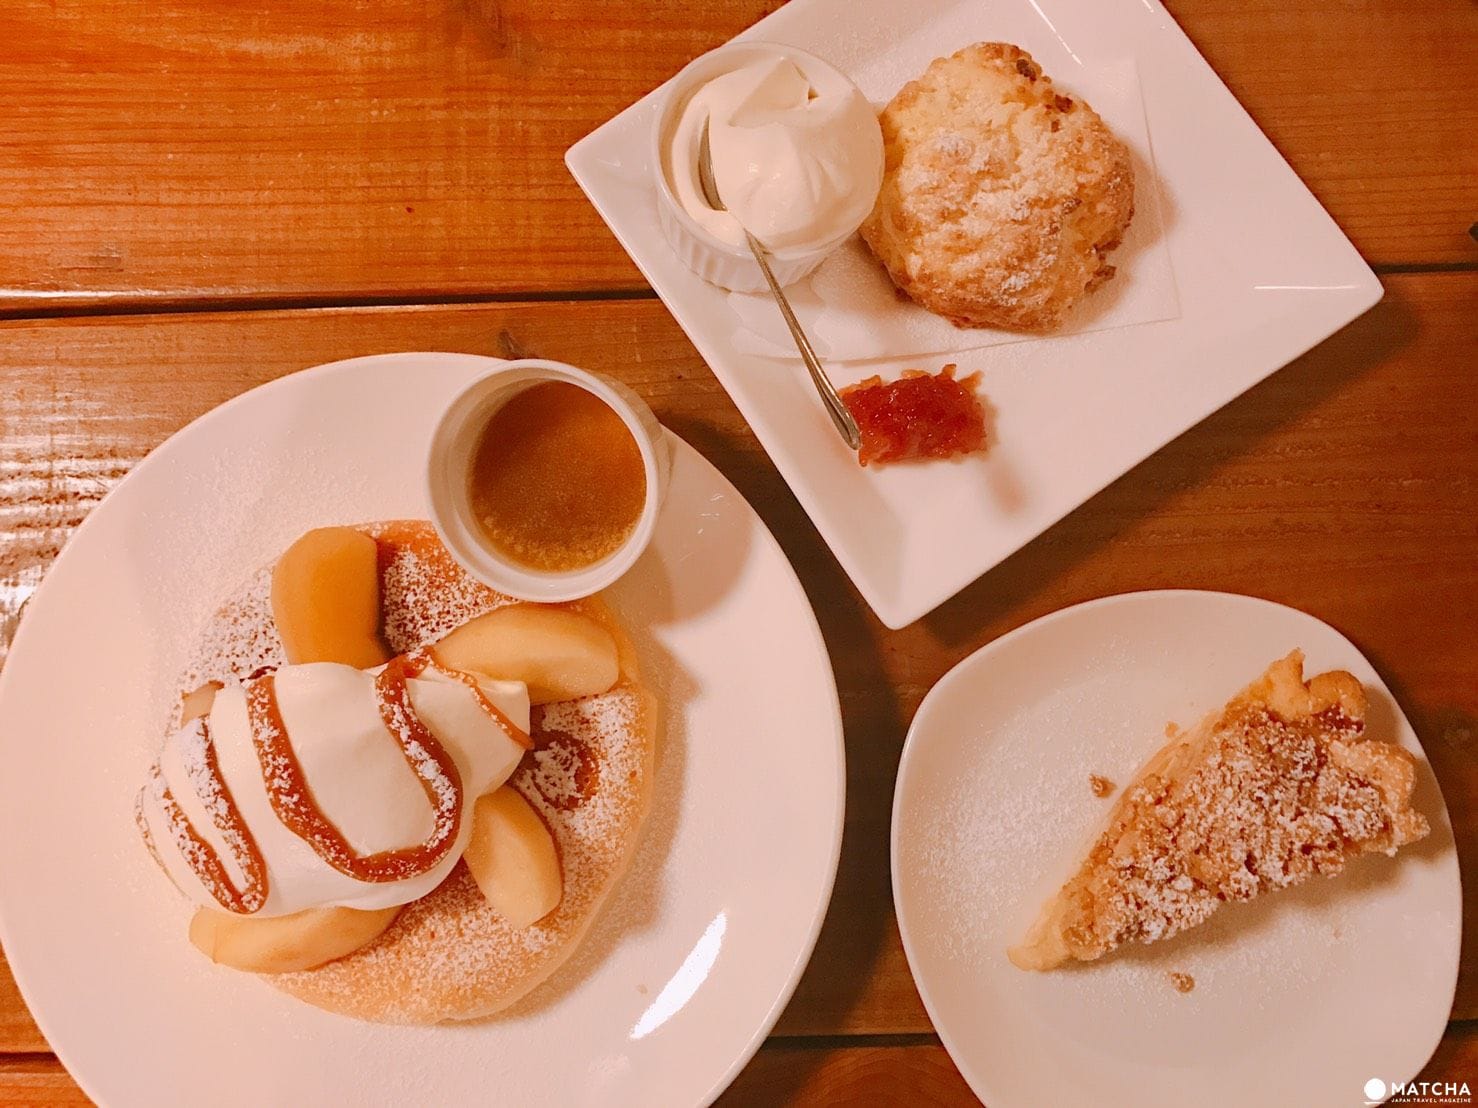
<point>449,955</point>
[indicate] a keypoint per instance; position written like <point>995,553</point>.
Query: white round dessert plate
<point>1300,997</point>
<point>686,968</point>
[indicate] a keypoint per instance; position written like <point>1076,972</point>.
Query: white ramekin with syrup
<point>545,480</point>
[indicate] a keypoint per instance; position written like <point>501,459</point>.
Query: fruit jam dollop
<point>917,417</point>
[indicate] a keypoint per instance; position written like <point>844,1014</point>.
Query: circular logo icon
<point>1375,1089</point>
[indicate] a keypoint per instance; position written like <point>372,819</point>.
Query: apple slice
<point>282,944</point>
<point>326,599</point>
<point>558,654</point>
<point>198,702</point>
<point>513,859</point>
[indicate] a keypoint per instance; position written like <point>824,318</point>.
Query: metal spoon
<point>846,426</point>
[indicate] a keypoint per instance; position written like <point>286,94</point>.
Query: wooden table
<point>203,197</point>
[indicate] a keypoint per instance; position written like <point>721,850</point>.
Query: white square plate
<point>1261,275</point>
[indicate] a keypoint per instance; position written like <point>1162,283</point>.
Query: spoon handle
<point>846,426</point>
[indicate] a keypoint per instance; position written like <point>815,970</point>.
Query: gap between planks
<point>102,305</point>
<point>77,306</point>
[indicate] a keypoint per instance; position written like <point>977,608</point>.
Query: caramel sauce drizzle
<point>293,802</point>
<point>141,821</point>
<point>418,662</point>
<point>582,763</point>
<point>211,788</point>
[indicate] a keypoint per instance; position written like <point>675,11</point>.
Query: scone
<point>1001,197</point>
<point>1278,786</point>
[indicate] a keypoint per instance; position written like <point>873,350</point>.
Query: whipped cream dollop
<point>356,772</point>
<point>797,158</point>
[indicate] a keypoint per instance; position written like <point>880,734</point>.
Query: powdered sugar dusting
<point>1253,801</point>
<point>600,812</point>
<point>408,732</point>
<point>192,848</point>
<point>450,952</point>
<point>210,789</point>
<point>855,311</point>
<point>1006,821</point>
<point>414,973</point>
<point>239,640</point>
<point>424,593</point>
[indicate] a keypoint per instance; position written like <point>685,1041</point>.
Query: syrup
<point>557,480</point>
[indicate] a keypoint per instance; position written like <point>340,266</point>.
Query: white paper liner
<point>850,307</point>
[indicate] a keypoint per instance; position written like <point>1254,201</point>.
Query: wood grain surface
<point>803,1074</point>
<point>177,152</point>
<point>1347,484</point>
<point>887,1076</point>
<point>163,162</point>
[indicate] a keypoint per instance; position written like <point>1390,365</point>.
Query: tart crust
<point>1277,786</point>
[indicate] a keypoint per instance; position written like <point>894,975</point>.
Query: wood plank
<point>342,149</point>
<point>783,1072</point>
<point>86,399</point>
<point>859,1076</point>
<point>18,1031</point>
<point>165,153</point>
<point>1347,485</point>
<point>797,1074</point>
<point>1456,1057</point>
<point>34,1081</point>
<point>1369,102</point>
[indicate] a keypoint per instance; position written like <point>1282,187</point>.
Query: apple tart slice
<point>1277,786</point>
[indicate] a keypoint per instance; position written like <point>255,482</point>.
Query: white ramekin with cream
<point>797,157</point>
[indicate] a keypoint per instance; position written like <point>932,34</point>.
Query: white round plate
<point>686,969</point>
<point>1300,998</point>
